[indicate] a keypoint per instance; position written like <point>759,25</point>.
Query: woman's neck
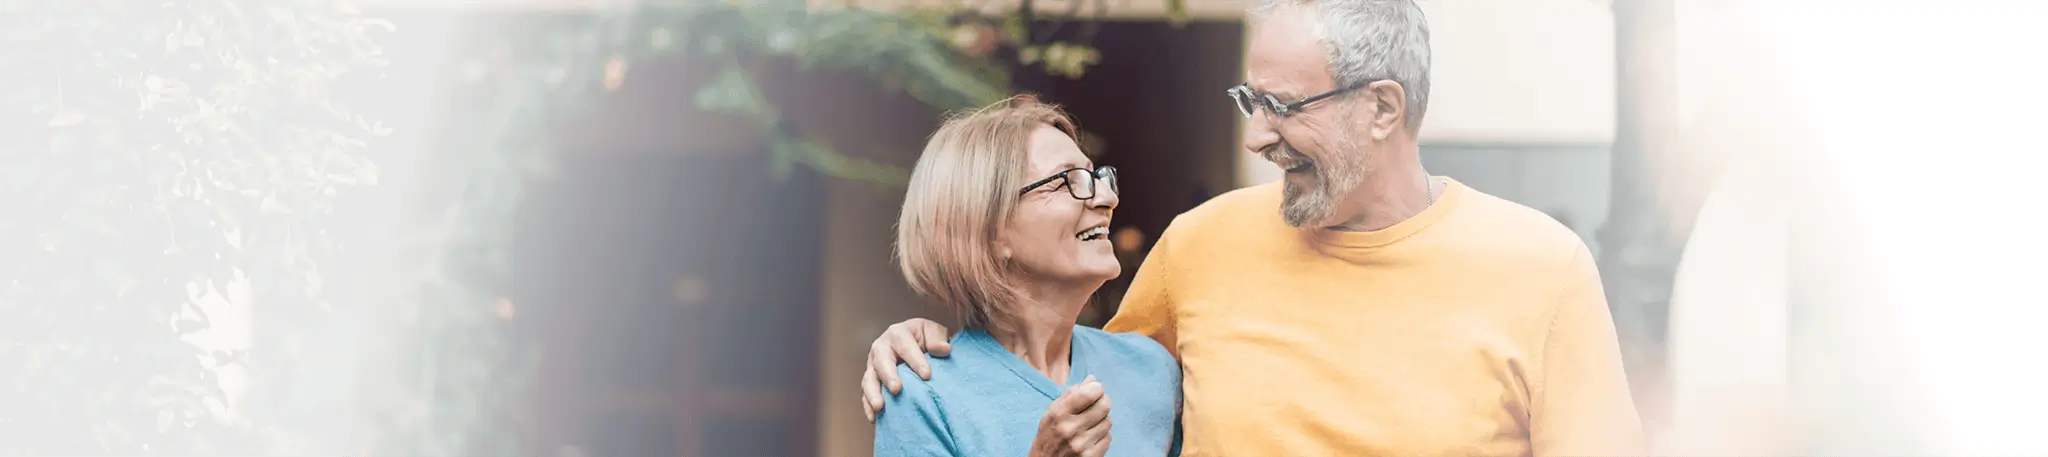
<point>1042,331</point>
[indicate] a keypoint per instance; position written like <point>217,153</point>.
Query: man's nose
<point>1259,134</point>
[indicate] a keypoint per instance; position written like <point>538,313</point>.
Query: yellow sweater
<point>1476,328</point>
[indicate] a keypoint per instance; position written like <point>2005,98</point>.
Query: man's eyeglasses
<point>1249,101</point>
<point>1080,182</point>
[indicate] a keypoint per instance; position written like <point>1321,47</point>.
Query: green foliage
<point>163,147</point>
<point>469,369</point>
<point>943,56</point>
<point>172,151</point>
<point>1177,12</point>
<point>905,51</point>
<point>465,370</point>
<point>466,378</point>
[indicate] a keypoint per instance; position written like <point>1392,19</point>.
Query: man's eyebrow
<point>1284,96</point>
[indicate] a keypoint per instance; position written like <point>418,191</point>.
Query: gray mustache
<point>1285,156</point>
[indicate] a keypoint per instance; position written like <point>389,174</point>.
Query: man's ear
<point>1389,108</point>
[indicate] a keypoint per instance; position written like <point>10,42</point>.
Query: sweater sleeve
<point>1147,308</point>
<point>915,425</point>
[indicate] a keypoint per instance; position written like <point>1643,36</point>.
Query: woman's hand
<point>906,341</point>
<point>1076,425</point>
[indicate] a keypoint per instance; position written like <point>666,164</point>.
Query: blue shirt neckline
<point>1077,368</point>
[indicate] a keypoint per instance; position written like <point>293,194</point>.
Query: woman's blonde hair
<point>960,194</point>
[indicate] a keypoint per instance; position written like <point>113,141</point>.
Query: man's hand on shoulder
<point>905,342</point>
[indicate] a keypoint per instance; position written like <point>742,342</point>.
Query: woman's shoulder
<point>964,366</point>
<point>913,421</point>
<point>1126,346</point>
<point>916,391</point>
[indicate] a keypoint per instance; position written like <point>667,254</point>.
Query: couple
<point>1378,311</point>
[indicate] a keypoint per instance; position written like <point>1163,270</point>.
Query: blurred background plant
<point>172,162</point>
<point>950,55</point>
<point>164,159</point>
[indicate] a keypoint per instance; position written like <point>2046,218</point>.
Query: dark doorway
<point>680,295</point>
<point>1157,103</point>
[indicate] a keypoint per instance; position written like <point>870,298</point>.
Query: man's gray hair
<point>1371,40</point>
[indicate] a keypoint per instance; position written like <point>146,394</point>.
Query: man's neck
<point>1042,331</point>
<point>1390,195</point>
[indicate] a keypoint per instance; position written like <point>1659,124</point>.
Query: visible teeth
<point>1093,234</point>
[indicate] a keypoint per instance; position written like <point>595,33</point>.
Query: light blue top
<point>984,401</point>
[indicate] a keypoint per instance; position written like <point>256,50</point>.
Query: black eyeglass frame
<point>1105,173</point>
<point>1248,100</point>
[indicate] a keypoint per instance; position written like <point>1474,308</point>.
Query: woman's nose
<point>1105,195</point>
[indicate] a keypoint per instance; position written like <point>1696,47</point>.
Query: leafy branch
<point>171,154</point>
<point>951,56</point>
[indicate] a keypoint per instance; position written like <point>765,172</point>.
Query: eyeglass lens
<point>1081,184</point>
<point>1245,101</point>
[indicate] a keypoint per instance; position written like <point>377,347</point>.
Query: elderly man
<point>1361,306</point>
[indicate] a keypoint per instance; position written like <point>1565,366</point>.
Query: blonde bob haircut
<point>960,194</point>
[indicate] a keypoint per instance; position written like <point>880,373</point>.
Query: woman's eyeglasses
<point>1080,182</point>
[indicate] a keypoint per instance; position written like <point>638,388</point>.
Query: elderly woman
<point>1006,224</point>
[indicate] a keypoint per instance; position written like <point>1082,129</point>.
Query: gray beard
<point>1302,204</point>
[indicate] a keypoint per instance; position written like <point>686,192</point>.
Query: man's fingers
<point>913,354</point>
<point>882,365</point>
<point>904,347</point>
<point>871,399</point>
<point>934,337</point>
